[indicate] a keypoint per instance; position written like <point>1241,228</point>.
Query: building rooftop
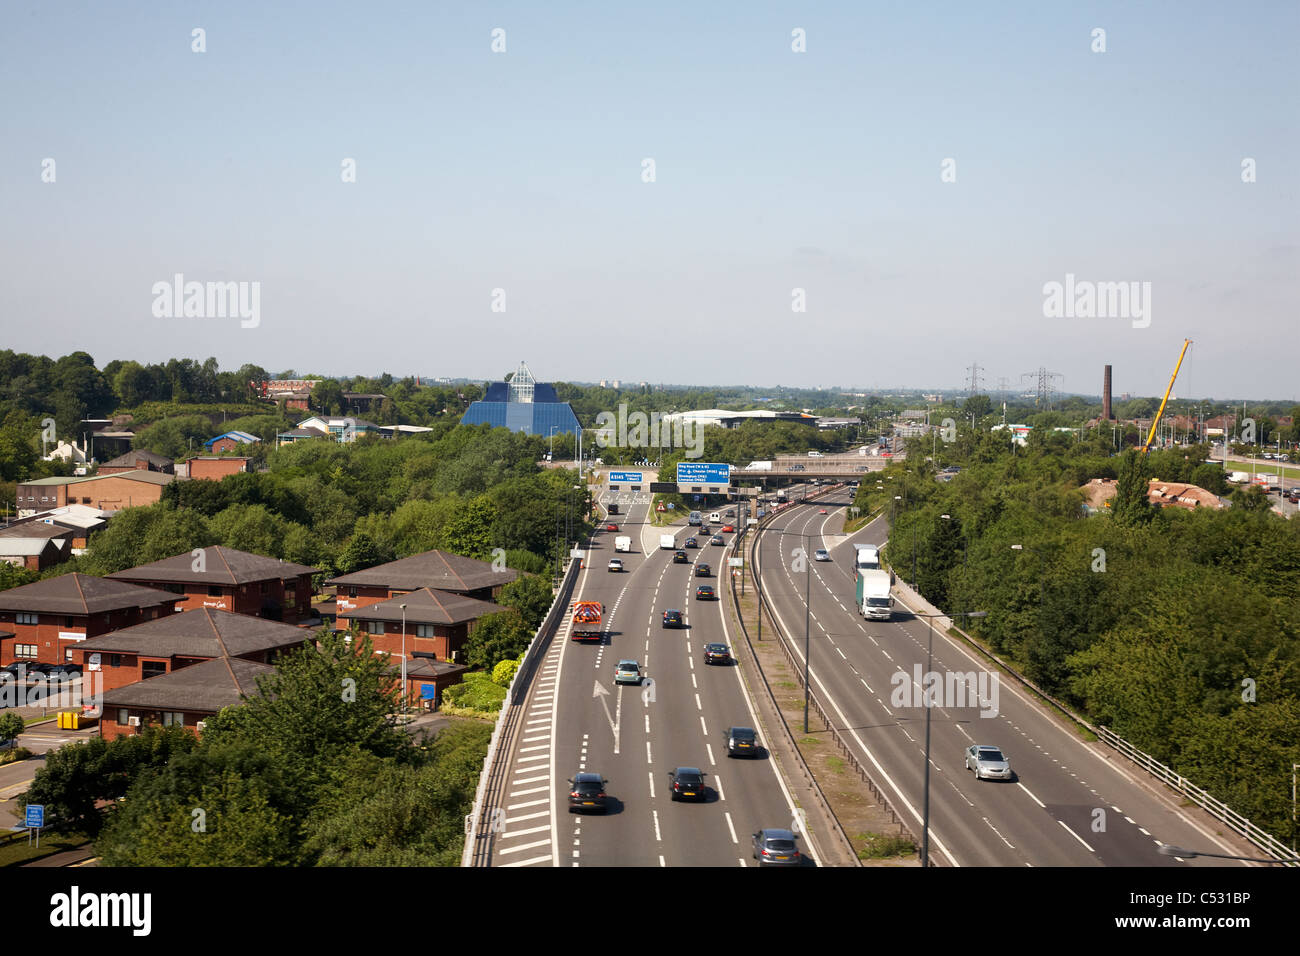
<point>426,606</point>
<point>222,566</point>
<point>199,632</point>
<point>205,688</point>
<point>441,570</point>
<point>139,454</point>
<point>81,594</point>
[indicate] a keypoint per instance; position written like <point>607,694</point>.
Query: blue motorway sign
<point>703,473</point>
<point>35,815</point>
<point>625,477</point>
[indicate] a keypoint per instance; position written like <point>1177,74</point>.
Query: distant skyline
<point>1167,161</point>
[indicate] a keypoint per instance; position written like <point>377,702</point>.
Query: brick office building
<point>127,489</point>
<point>437,622</point>
<point>138,460</point>
<point>49,618</point>
<point>231,580</point>
<point>184,698</point>
<point>181,640</point>
<point>439,570</point>
<point>214,468</point>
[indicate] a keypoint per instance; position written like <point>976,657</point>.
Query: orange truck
<point>587,616</point>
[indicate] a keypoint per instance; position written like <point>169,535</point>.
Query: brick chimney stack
<point>1105,397</point>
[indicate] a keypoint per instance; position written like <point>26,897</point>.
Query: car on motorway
<point>775,847</point>
<point>613,507</point>
<point>611,526</point>
<point>703,570</point>
<point>705,592</point>
<point>688,784</point>
<point>615,564</point>
<point>587,793</point>
<point>728,529</point>
<point>821,554</point>
<point>674,619</point>
<point>717,539</point>
<point>741,742</point>
<point>691,543</point>
<point>730,513</point>
<point>822,512</point>
<point>796,467</point>
<point>680,557</point>
<point>717,654</point>
<point>627,672</point>
<point>988,763</point>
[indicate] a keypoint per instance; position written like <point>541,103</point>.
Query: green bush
<point>13,755</point>
<point>504,672</point>
<point>477,694</point>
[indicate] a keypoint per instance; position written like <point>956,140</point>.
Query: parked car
<point>705,592</point>
<point>988,763</point>
<point>742,742</point>
<point>627,672</point>
<point>703,570</point>
<point>673,619</point>
<point>64,671</point>
<point>681,558</point>
<point>688,784</point>
<point>717,654</point>
<point>587,792</point>
<point>615,564</point>
<point>776,847</point>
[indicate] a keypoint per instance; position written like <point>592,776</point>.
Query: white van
<point>867,558</point>
<point>668,541</point>
<point>623,543</point>
<point>715,518</point>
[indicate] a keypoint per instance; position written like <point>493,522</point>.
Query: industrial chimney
<point>1105,397</point>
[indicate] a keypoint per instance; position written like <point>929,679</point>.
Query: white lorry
<point>668,541</point>
<point>1239,477</point>
<point>875,601</point>
<point>623,543</point>
<point>867,558</point>
<point>759,466</point>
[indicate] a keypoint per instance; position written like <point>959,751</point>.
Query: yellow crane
<point>1146,445</point>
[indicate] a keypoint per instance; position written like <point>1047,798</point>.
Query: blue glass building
<point>523,405</point>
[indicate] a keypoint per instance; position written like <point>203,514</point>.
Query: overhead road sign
<point>703,473</point>
<point>625,477</point>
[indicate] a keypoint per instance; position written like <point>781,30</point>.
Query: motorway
<point>1074,803</point>
<point>577,719</point>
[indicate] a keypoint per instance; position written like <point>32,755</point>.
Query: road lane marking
<point>658,835</point>
<point>732,828</point>
<point>1031,796</point>
<point>1076,836</point>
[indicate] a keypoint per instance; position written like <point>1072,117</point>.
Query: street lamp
<point>404,692</point>
<point>929,653</point>
<point>1166,850</point>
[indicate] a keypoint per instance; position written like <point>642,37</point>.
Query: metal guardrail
<point>841,743</point>
<point>479,832</point>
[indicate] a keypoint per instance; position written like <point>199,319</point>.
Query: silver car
<point>627,672</point>
<point>821,555</point>
<point>988,763</point>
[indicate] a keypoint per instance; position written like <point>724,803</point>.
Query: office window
<point>26,618</point>
<point>25,650</point>
<point>171,717</point>
<point>214,590</point>
<point>122,715</point>
<point>69,621</point>
<point>425,630</point>
<point>152,669</point>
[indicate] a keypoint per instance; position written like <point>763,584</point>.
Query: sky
<point>882,209</point>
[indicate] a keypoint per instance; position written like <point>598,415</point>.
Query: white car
<point>615,564</point>
<point>988,763</point>
<point>821,554</point>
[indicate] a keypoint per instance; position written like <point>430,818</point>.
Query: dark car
<point>587,793</point>
<point>705,592</point>
<point>741,742</point>
<point>692,543</point>
<point>681,558</point>
<point>729,513</point>
<point>717,539</point>
<point>673,619</point>
<point>613,508</point>
<point>717,654</point>
<point>703,570</point>
<point>16,671</point>
<point>38,671</point>
<point>65,671</point>
<point>773,847</point>
<point>688,784</point>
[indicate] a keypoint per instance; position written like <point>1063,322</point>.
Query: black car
<point>38,671</point>
<point>15,672</point>
<point>702,571</point>
<point>741,742</point>
<point>673,619</point>
<point>692,543</point>
<point>776,847</point>
<point>688,784</point>
<point>587,793</point>
<point>717,654</point>
<point>64,671</point>
<point>680,557</point>
<point>705,592</point>
<point>613,508</point>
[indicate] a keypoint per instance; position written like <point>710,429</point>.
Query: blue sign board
<point>35,815</point>
<point>625,477</point>
<point>703,473</point>
<point>428,691</point>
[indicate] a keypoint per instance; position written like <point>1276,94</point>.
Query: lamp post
<point>1166,850</point>
<point>929,655</point>
<point>404,693</point>
<point>551,455</point>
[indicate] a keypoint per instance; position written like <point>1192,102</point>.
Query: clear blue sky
<point>775,170</point>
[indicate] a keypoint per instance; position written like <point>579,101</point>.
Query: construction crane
<point>1146,445</point>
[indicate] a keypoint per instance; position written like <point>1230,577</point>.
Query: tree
<point>11,725</point>
<point>360,553</point>
<point>327,397</point>
<point>495,638</point>
<point>529,595</point>
<point>1132,505</point>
